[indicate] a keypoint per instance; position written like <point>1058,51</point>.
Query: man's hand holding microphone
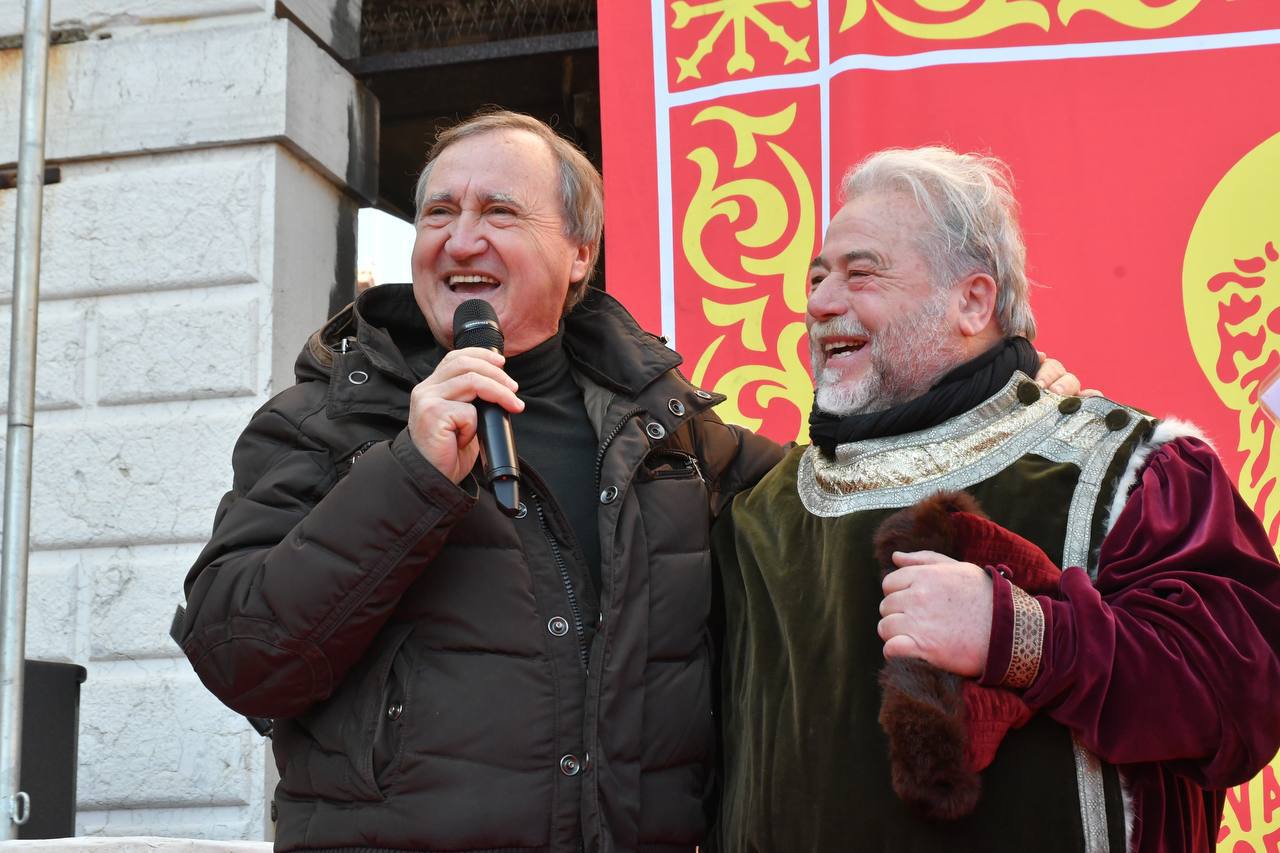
<point>469,395</point>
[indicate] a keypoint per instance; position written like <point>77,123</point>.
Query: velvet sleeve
<point>1172,655</point>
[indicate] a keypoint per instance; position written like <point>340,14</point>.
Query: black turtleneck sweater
<point>555,438</point>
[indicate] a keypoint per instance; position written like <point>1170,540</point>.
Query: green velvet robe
<point>806,764</point>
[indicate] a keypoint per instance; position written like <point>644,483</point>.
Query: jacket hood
<point>385,320</point>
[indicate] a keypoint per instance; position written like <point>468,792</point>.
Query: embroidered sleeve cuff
<point>1028,641</point>
<point>1017,634</point>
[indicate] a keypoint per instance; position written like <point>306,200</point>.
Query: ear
<point>581,261</point>
<point>976,303</point>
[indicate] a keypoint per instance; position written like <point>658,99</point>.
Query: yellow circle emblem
<point>1231,296</point>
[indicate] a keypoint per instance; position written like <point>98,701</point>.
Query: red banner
<point>1145,142</point>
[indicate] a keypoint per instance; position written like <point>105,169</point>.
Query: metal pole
<point>22,403</point>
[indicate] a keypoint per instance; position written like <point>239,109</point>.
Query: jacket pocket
<point>329,751</point>
<point>669,464</point>
<point>388,738</point>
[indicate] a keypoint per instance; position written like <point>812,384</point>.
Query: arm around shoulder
<point>734,458</point>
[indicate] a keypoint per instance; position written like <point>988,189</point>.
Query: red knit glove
<point>992,712</point>
<point>980,540</point>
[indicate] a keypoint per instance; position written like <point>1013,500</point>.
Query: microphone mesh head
<point>476,325</point>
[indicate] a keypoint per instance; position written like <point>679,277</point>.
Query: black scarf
<point>958,391</point>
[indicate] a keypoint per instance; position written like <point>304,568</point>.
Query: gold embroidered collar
<point>898,470</point>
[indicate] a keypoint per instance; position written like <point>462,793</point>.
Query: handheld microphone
<point>476,325</point>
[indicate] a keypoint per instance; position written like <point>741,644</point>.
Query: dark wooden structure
<point>432,62</point>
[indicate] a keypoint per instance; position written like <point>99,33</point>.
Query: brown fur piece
<point>926,526</point>
<point>922,708</point>
<point>923,713</point>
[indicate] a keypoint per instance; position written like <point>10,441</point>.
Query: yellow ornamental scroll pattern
<point>988,17</point>
<point>985,17</point>
<point>1131,13</point>
<point>790,382</point>
<point>779,216</point>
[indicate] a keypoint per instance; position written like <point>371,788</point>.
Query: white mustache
<point>844,324</point>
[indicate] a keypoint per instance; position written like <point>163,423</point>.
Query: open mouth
<point>471,284</point>
<point>844,348</point>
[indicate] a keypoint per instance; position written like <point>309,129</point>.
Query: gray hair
<point>969,200</point>
<point>581,189</point>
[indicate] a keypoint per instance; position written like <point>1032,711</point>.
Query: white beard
<point>906,357</point>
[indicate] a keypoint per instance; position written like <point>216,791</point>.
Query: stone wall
<point>212,156</point>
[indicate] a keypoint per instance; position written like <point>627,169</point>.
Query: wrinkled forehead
<point>873,227</point>
<point>502,164</point>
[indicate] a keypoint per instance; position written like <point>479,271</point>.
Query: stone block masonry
<point>212,159</point>
<point>130,225</point>
<point>188,88</point>
<point>336,25</point>
<point>61,346</point>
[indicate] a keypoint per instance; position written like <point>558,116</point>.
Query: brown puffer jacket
<point>418,649</point>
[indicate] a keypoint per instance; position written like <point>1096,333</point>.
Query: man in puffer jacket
<point>442,676</point>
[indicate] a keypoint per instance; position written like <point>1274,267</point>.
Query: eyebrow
<point>850,257</point>
<point>445,195</point>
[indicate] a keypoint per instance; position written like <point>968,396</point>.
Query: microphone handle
<point>501,465</point>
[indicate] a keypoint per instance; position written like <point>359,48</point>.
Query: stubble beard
<point>907,356</point>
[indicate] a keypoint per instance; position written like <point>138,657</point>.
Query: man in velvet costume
<point>1143,680</point>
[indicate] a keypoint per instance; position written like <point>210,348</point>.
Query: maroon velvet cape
<point>1167,665</point>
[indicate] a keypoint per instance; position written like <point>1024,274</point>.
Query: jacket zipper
<point>566,580</point>
<point>617,428</point>
<point>361,450</point>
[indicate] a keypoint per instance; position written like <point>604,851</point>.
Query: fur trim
<point>943,730</point>
<point>926,526</point>
<point>922,711</point>
<point>1166,431</point>
<point>1130,815</point>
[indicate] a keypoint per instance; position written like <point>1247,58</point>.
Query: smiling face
<point>492,227</point>
<point>880,333</point>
